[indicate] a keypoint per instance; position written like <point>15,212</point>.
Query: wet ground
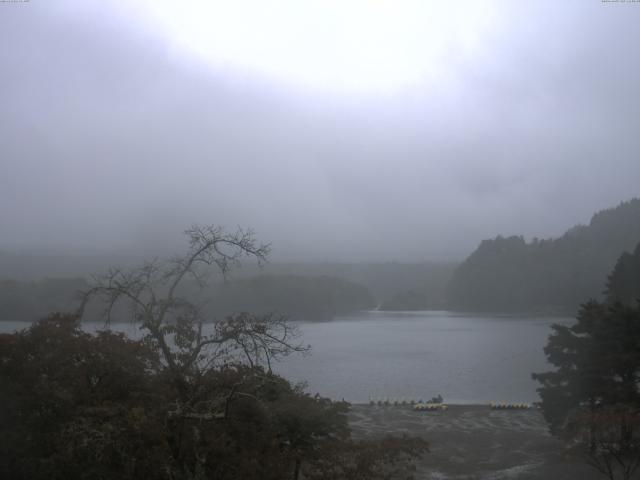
<point>475,442</point>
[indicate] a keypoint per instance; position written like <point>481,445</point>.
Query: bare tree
<point>173,321</point>
<point>210,364</point>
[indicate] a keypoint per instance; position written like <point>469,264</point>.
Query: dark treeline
<point>554,275</point>
<point>313,291</point>
<point>297,297</point>
<point>503,274</point>
<point>387,281</point>
<point>591,400</point>
<point>384,280</point>
<point>623,285</point>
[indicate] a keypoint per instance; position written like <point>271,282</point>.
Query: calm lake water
<point>466,358</point>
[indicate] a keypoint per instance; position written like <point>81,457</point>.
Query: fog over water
<point>118,129</point>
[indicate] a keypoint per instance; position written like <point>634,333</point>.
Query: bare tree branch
<point>175,323</point>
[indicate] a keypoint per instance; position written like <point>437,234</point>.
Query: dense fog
<point>319,239</point>
<point>116,134</point>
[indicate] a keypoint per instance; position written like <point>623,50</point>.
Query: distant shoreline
<point>365,313</point>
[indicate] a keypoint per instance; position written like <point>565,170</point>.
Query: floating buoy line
<point>416,404</point>
<point>430,406</point>
<point>509,406</point>
<point>421,405</point>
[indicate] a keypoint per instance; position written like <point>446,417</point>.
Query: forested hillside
<point>394,285</point>
<point>388,282</point>
<point>553,275</point>
<point>623,284</point>
<point>297,297</point>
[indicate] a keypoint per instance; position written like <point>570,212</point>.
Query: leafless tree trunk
<point>174,323</point>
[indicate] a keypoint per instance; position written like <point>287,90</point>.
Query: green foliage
<point>597,362</point>
<point>592,399</point>
<point>509,274</point>
<point>76,405</point>
<point>80,406</point>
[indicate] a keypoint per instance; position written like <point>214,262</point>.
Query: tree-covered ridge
<point>623,285</point>
<point>298,297</point>
<point>510,274</point>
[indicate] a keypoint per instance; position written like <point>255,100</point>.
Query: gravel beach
<point>475,442</point>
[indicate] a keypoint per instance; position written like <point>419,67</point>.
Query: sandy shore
<point>475,442</point>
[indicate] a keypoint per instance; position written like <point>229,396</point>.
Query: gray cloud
<point>108,142</point>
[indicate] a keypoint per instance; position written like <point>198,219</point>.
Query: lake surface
<point>466,358</point>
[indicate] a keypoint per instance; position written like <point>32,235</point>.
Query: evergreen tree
<point>623,284</point>
<point>510,274</point>
<point>592,399</point>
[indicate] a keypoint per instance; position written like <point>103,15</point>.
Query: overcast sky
<point>364,130</point>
